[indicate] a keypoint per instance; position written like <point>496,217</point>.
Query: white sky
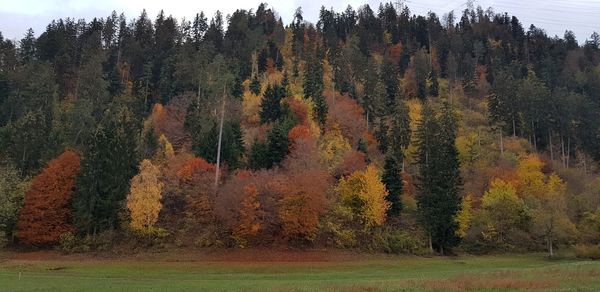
<point>555,16</point>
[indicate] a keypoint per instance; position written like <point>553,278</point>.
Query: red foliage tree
<point>302,203</point>
<point>299,132</point>
<point>299,109</point>
<point>46,213</point>
<point>353,161</point>
<point>169,120</point>
<point>348,115</point>
<point>193,167</point>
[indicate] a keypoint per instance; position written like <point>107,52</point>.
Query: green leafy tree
<point>12,190</point>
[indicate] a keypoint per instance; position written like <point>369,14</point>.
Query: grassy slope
<point>383,273</point>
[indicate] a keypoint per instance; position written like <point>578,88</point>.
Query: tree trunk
<point>501,144</point>
<point>568,151</point>
<point>550,247</point>
<point>550,144</point>
<point>220,140</point>
<point>562,147</point>
<point>534,136</point>
<point>430,244</point>
<point>514,128</point>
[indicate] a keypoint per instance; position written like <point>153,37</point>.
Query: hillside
<point>369,130</point>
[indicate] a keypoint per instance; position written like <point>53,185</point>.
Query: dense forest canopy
<point>373,128</point>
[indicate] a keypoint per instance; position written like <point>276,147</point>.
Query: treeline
<point>379,130</point>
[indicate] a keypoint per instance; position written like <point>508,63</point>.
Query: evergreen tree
<point>255,86</point>
<point>382,136</point>
<point>393,182</point>
<point>278,142</point>
<point>27,47</point>
<point>321,109</point>
<point>400,132</point>
<point>438,200</point>
<point>389,78</point>
<point>434,86</point>
<point>205,144</point>
<point>108,165</point>
<point>420,63</point>
<point>270,106</point>
<point>259,156</point>
<point>313,88</point>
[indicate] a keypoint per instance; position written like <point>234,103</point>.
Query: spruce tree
<point>434,87</point>
<point>108,165</point>
<point>313,88</point>
<point>259,156</point>
<point>400,132</point>
<point>270,106</point>
<point>393,182</point>
<point>438,198</point>
<point>255,86</point>
<point>382,136</point>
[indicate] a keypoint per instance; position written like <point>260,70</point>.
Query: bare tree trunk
<point>430,244</point>
<point>550,144</point>
<point>534,136</point>
<point>562,146</point>
<point>501,144</point>
<point>568,151</point>
<point>514,127</point>
<point>220,140</point>
<point>550,247</point>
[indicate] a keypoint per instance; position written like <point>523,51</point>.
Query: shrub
<point>393,241</point>
<point>585,251</point>
<point>69,243</point>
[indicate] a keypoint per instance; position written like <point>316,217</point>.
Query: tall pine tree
<point>109,164</point>
<point>438,199</point>
<point>393,182</point>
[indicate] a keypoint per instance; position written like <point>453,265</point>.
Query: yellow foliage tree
<point>550,215</point>
<point>251,107</point>
<point>465,216</point>
<point>364,193</point>
<point>333,146</point>
<point>143,200</point>
<point>530,177</point>
<point>503,212</point>
<point>165,150</point>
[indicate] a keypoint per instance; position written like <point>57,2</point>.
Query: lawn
<point>363,272</point>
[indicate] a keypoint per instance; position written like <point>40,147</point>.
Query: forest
<point>374,130</point>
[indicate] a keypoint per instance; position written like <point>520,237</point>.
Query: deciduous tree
<point>143,200</point>
<point>46,212</point>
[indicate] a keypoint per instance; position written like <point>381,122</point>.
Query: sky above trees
<point>556,16</point>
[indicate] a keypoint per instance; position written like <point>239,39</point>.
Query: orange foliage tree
<point>302,203</point>
<point>248,224</point>
<point>46,213</point>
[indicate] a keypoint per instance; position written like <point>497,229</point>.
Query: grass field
<point>350,273</point>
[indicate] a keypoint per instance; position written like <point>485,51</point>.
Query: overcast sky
<point>555,16</point>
